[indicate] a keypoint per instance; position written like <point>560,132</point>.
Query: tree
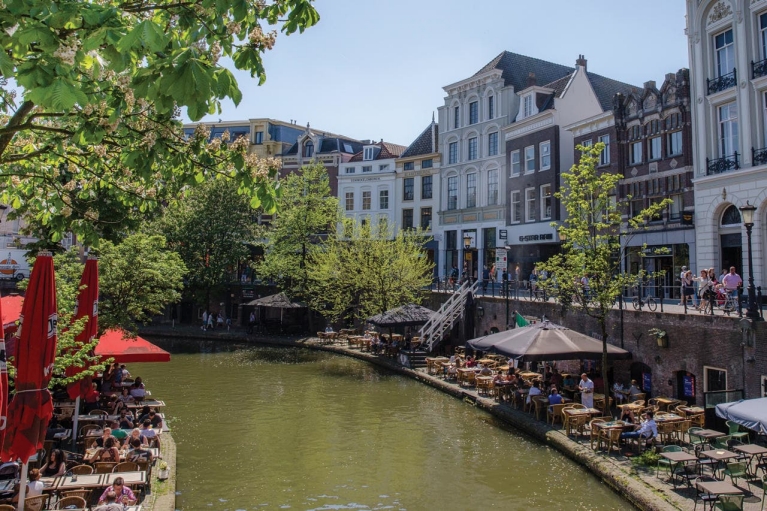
<point>209,228</point>
<point>368,271</point>
<point>308,212</point>
<point>137,279</point>
<point>94,139</point>
<point>591,247</point>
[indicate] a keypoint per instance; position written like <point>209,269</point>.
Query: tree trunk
<point>605,384</point>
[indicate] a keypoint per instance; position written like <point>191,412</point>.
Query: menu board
<point>647,382</point>
<point>689,386</point>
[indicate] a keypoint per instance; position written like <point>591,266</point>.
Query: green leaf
<point>7,67</point>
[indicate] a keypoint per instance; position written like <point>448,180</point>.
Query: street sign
<point>500,259</point>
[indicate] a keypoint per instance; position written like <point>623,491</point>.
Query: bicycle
<point>538,294</point>
<point>650,302</point>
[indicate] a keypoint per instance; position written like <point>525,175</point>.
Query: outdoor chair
<point>104,467</point>
<point>35,503</point>
<point>736,470</point>
<point>554,413</point>
<point>577,423</point>
<point>723,442</point>
<point>652,402</point>
<point>665,464</point>
<point>704,497</point>
<point>678,410</point>
<point>541,404</point>
<point>578,406</point>
<point>680,428</point>
<point>125,466</point>
<point>594,432</point>
<point>698,420</point>
<point>82,493</point>
<point>734,430</point>
<point>81,470</point>
<point>729,502</point>
<point>66,502</point>
<point>7,507</point>
<point>640,397</point>
<point>666,431</point>
<point>98,412</point>
<point>612,436</point>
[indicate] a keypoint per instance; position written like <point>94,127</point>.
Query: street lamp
<point>748,220</point>
<point>467,254</point>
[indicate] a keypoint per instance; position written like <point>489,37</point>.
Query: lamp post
<point>466,253</point>
<point>748,220</point>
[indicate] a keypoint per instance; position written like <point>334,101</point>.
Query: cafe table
<point>578,412</point>
<point>668,417</point>
<point>720,456</point>
<point>754,452</point>
<point>709,434</point>
<point>79,481</point>
<point>664,402</point>
<point>137,477</point>
<point>679,459</point>
<point>152,403</point>
<point>692,410</point>
<point>715,488</point>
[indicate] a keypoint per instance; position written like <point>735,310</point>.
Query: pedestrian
<point>688,291</point>
<point>485,279</point>
<point>704,289</point>
<point>210,321</point>
<point>732,282</point>
<point>681,280</point>
<point>204,320</point>
<point>586,386</point>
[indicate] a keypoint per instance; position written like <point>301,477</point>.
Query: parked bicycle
<point>649,301</point>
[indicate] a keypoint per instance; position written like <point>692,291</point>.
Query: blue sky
<point>375,69</point>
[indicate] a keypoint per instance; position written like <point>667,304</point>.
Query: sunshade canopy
<point>750,413</point>
<point>546,341</point>
<point>406,315</point>
<point>125,350</point>
<point>87,306</point>
<point>279,301</point>
<point>11,312</point>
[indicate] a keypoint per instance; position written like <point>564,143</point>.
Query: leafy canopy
<point>94,141</point>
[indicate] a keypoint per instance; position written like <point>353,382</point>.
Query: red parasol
<point>31,408</point>
<point>87,305</point>
<point>124,349</point>
<point>3,386</point>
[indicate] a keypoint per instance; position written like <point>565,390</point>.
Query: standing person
<point>210,321</point>
<point>586,386</point>
<point>204,320</point>
<point>704,288</point>
<point>485,279</point>
<point>688,291</point>
<point>453,276</point>
<point>723,275</point>
<point>493,276</point>
<point>732,282</point>
<point>465,273</point>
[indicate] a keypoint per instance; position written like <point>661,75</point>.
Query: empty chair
<point>736,433</point>
<point>35,503</point>
<point>723,442</point>
<point>735,471</point>
<point>104,467</point>
<point>729,502</point>
<point>98,412</point>
<point>595,432</point>
<point>554,413</point>
<point>126,466</point>
<point>7,507</point>
<point>663,462</point>
<point>66,502</point>
<point>81,470</point>
<point>82,493</point>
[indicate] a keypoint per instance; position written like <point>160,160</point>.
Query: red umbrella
<point>87,305</point>
<point>31,407</point>
<point>3,387</point>
<point>125,350</point>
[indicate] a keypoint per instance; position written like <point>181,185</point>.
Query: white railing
<point>444,319</point>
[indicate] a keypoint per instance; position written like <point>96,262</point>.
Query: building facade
<point>647,137</point>
<point>728,76</point>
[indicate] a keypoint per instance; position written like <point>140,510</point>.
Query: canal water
<point>270,428</point>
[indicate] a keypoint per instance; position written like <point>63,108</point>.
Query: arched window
<point>308,149</point>
<point>731,216</point>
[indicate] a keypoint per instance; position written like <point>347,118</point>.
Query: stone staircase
<point>443,320</point>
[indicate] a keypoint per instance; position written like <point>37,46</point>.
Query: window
<point>530,205</point>
<point>473,112</point>
<point>714,379</point>
<point>407,218</point>
<point>765,118</point>
<point>349,201</point>
<point>426,219</point>
<point>654,148</point>
<point>527,104</point>
<point>383,167</point>
<point>259,137</point>
<point>366,200</point>
<point>674,143</point>
<point>587,143</point>
<point>515,164</point>
<point>728,129</point>
<point>308,149</point>
<point>471,190</point>
<point>530,159</point>
<point>545,150</point>
<point>516,207</point>
<point>383,199</point>
<point>452,153</point>
<point>636,207</point>
<point>473,148</point>
<point>369,153</point>
<point>490,107</point>
<point>675,208</point>
<point>455,118</point>
<point>546,202</point>
<point>725,53</point>
<point>426,187</point>
<point>452,192</point>
<point>350,170</point>
<point>383,223</point>
<point>427,164</point>
<point>367,168</point>
<point>604,156</point>
<point>492,187</point>
<point>409,165</point>
<point>492,144</point>
<point>408,191</point>
<point>635,153</point>
<point>763,34</point>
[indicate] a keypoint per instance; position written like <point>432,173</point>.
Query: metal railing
<point>443,320</point>
<point>758,156</point>
<point>723,82</point>
<point>758,68</point>
<point>720,165</point>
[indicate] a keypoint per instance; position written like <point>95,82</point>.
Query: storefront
<point>662,265</point>
<point>530,245</point>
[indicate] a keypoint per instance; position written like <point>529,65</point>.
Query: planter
<point>662,341</point>
<point>162,475</point>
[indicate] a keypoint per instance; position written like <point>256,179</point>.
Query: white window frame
<point>350,170</point>
<point>724,55</point>
<point>474,112</point>
<point>367,168</point>
<point>635,159</point>
<point>492,149</point>
<point>368,154</point>
<point>383,194</point>
<point>675,149</point>
<point>367,194</point>
<point>527,106</point>
<point>490,107</point>
<point>530,199</point>
<point>763,34</point>
<point>514,200</point>
<point>529,157</point>
<point>349,196</point>
<point>469,195</point>
<point>545,216</point>
<point>453,179</point>
<point>729,133</point>
<point>604,156</point>
<point>544,148</point>
<point>515,155</point>
<point>705,376</point>
<point>452,153</point>
<point>492,187</point>
<point>654,153</point>
<point>383,167</point>
<point>473,149</point>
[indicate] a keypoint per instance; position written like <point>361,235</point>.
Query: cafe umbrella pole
<point>23,486</point>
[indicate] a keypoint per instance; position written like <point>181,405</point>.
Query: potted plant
<point>660,335</point>
<point>163,471</point>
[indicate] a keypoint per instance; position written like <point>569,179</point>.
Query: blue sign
<point>647,382</point>
<point>689,386</point>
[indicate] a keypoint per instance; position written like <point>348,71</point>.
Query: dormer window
<point>528,105</point>
<point>308,149</point>
<point>369,153</point>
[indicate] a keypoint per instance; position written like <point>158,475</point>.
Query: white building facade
<point>728,75</point>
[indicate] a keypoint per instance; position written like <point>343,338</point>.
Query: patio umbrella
<point>546,341</point>
<point>3,387</point>
<point>750,413</point>
<point>31,408</point>
<point>405,315</point>
<point>86,307</point>
<point>276,301</point>
<point>126,349</point>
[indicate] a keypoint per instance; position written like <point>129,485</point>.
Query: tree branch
<point>18,118</point>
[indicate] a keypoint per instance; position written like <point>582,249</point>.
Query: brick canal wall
<point>694,340</point>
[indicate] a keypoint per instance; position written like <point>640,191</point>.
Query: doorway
<point>732,251</point>
<point>685,387</point>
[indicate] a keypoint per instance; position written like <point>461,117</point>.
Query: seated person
<point>618,393</point>
<point>56,465</point>
<point>143,415</point>
<point>126,419</point>
<point>452,372</point>
<point>154,419</point>
<point>647,430</point>
<point>486,371</point>
<point>148,432</point>
<point>470,362</point>
<point>110,503</point>
<point>109,453</point>
<point>106,433</point>
<point>136,434</point>
<point>137,452</point>
<point>569,381</point>
<point>54,428</point>
<point>634,390</point>
<point>118,433</point>
<point>554,399</point>
<point>535,390</point>
<point>34,487</point>
<point>123,494</point>
<point>92,398</point>
<point>125,396</point>
<point>499,378</point>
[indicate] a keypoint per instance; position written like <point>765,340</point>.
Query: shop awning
<point>125,349</point>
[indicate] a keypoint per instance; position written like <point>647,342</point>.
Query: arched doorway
<point>642,373</point>
<point>685,387</point>
<point>731,253</point>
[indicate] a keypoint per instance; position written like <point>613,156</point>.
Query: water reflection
<point>275,428</point>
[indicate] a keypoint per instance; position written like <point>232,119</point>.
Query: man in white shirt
<point>648,429</point>
<point>586,386</point>
<point>535,390</point>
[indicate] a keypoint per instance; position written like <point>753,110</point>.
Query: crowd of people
<point>710,288</point>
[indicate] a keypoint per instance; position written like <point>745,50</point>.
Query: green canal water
<point>267,428</point>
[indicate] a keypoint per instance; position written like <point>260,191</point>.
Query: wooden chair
<point>577,423</point>
<point>652,402</point>
<point>666,431</point>
<point>612,437</point>
<point>640,397</point>
<point>595,432</point>
<point>578,406</point>
<point>554,413</point>
<point>37,503</point>
<point>7,507</point>
<point>98,412</point>
<point>82,493</point>
<point>680,428</point>
<point>81,470</point>
<point>104,467</point>
<point>679,411</point>
<point>125,466</point>
<point>541,404</point>
<point>483,386</point>
<point>698,420</point>
<point>65,502</point>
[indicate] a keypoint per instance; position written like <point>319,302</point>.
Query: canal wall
<point>638,491</point>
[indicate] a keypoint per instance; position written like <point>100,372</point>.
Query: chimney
<point>650,84</point>
<point>531,81</point>
<point>581,61</point>
<point>670,77</point>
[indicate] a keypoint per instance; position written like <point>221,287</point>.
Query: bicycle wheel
<point>636,303</point>
<point>651,304</point>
